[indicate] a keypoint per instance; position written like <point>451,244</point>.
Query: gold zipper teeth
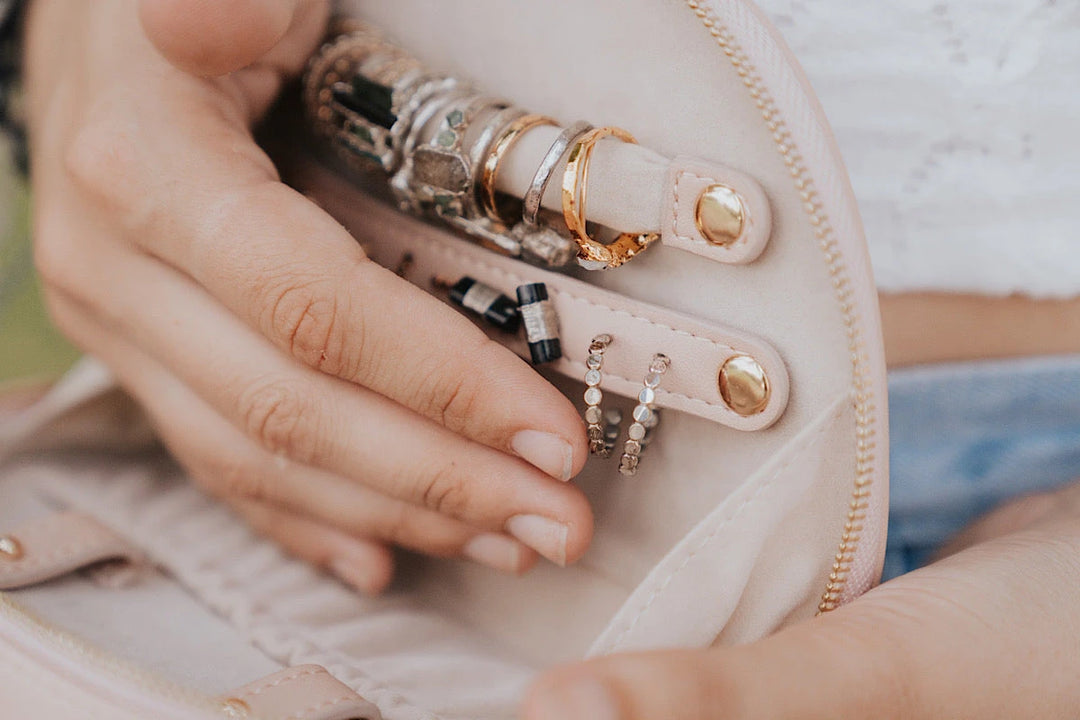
<point>826,236</point>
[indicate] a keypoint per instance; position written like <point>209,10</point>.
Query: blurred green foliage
<point>30,347</point>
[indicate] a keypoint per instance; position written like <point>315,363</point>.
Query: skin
<point>320,395</point>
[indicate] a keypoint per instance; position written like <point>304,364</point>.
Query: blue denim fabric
<point>966,437</point>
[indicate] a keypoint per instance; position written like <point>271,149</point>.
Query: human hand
<point>991,631</point>
<point>338,408</point>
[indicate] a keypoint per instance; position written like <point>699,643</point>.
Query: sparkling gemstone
<point>593,362</point>
<point>628,465</point>
<point>596,433</point>
<point>592,378</point>
<point>647,396</point>
<point>632,446</point>
<point>455,118</point>
<point>642,413</point>
<point>636,431</point>
<point>593,415</point>
<point>660,364</point>
<point>593,396</point>
<point>652,380</point>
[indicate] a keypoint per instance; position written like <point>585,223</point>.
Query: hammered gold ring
<point>574,194</point>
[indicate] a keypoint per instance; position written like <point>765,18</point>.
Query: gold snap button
<point>744,386</point>
<point>10,548</point>
<point>235,708</point>
<point>720,215</point>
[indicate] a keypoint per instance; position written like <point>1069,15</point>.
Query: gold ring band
<point>510,135</point>
<point>574,194</point>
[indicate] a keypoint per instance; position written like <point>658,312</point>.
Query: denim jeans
<point>966,437</point>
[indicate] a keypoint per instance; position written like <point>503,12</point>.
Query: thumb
<point>987,633</point>
<point>215,37</point>
<point>816,670</point>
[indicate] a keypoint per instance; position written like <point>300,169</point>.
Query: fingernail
<point>548,452</point>
<point>583,699</point>
<point>495,551</point>
<point>353,573</point>
<point>545,536</point>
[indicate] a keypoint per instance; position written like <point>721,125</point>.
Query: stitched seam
<point>320,706</point>
<point>745,239</point>
<point>442,247</point>
<point>258,690</point>
<point>796,453</point>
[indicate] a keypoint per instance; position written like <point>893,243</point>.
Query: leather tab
<point>305,692</point>
<point>59,544</point>
<point>698,348</point>
<point>687,179</point>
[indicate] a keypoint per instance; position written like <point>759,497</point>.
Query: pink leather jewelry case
<point>760,499</point>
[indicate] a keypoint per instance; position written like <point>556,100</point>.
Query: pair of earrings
<point>603,427</point>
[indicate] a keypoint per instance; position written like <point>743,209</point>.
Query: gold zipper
<point>103,662</point>
<point>865,408</point>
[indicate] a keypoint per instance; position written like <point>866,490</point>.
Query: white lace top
<point>960,123</point>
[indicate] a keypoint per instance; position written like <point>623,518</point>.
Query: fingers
<point>303,282</point>
<point>322,422</point>
<point>289,270</point>
<point>231,466</point>
<point>366,565</point>
<point>215,37</point>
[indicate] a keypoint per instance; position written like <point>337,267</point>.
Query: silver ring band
<point>535,195</point>
<point>481,147</point>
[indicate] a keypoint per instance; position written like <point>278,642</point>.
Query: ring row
<point>443,143</point>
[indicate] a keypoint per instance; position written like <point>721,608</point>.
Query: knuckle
<point>280,416</point>
<point>453,398</point>
<point>309,318</point>
<point>445,490</point>
<point>101,157</point>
